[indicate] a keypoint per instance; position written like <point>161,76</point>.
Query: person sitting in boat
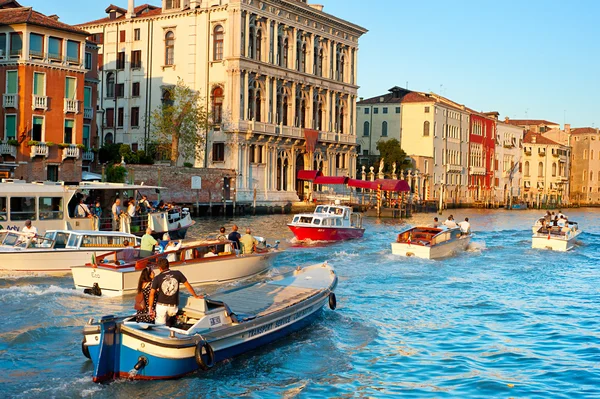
<point>29,229</point>
<point>465,226</point>
<point>548,217</point>
<point>222,236</point>
<point>248,242</point>
<point>234,237</point>
<point>436,223</point>
<point>561,221</point>
<point>170,247</point>
<point>450,223</point>
<point>165,287</point>
<point>127,254</point>
<point>144,286</point>
<point>212,251</point>
<point>148,243</point>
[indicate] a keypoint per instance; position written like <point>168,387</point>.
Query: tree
<point>391,152</point>
<point>182,120</point>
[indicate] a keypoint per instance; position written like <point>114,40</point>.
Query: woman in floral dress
<point>144,286</point>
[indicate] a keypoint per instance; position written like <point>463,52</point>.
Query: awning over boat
<point>361,183</point>
<point>392,185</point>
<point>330,180</point>
<point>308,174</point>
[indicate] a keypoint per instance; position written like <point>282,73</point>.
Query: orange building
<point>48,77</point>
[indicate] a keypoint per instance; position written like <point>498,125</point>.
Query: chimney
<point>568,128</point>
<point>360,98</point>
<point>130,10</point>
<point>506,119</point>
<point>53,16</point>
<point>318,7</point>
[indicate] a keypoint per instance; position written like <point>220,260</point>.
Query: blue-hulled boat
<point>209,330</point>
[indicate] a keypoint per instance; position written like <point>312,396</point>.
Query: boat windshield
<point>317,221</point>
<point>9,239</point>
<point>321,209</point>
<point>306,219</point>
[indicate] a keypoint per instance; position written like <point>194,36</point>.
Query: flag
<point>409,238</point>
<point>94,263</point>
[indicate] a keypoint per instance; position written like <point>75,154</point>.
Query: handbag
<point>140,304</point>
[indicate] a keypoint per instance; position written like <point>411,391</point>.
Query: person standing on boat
<point>148,243</point>
<point>166,283</point>
<point>116,212</point>
<point>144,286</point>
<point>96,212</point>
<point>82,210</point>
<point>234,237</point>
<point>131,210</point>
<point>465,227</point>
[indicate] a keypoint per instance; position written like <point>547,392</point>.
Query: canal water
<point>500,320</point>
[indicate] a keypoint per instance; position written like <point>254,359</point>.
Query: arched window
<point>286,48</point>
<point>553,169</point>
<point>526,168</point>
<point>217,104</point>
<point>426,128</point>
<point>541,169</point>
<point>251,40</point>
<point>169,48</point>
<point>110,85</point>
<point>258,44</point>
<point>108,138</point>
<point>218,43</point>
<point>366,129</point>
<point>384,129</point>
<point>584,176</point>
<point>584,154</point>
<point>341,68</point>
<point>591,154</point>
<point>591,175</point>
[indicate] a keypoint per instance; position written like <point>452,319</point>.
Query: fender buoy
<point>85,350</point>
<point>332,301</point>
<point>207,359</point>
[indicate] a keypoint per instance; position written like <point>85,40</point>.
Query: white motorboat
<point>328,223</point>
<point>57,250</point>
<point>430,242</point>
<point>209,330</point>
<point>110,276</point>
<point>556,238</point>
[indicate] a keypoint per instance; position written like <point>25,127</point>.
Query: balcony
<point>70,152</point>
<point>453,168</point>
<point>40,149</point>
<point>88,113</point>
<point>555,153</point>
<point>10,100</point>
<point>88,156</point>
<point>508,144</point>
<point>477,170</point>
<point>71,106</point>
<point>72,60</point>
<point>541,153</point>
<point>527,151</point>
<point>7,149</point>
<point>40,102</point>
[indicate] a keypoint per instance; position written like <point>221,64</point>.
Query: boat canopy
<point>331,180</point>
<point>360,183</point>
<point>386,184</point>
<point>308,174</point>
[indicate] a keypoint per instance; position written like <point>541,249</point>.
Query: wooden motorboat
<point>58,250</point>
<point>209,330</point>
<point>112,276</point>
<point>430,242</point>
<point>556,238</point>
<point>327,223</point>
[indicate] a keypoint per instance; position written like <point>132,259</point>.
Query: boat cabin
<point>67,239</point>
<point>427,236</point>
<point>329,216</point>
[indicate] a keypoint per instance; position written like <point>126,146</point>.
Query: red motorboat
<point>328,223</point>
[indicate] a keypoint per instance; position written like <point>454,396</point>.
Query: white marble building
<point>508,162</point>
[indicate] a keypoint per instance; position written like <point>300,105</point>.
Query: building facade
<point>508,163</point>
<point>48,104</point>
<point>278,77</point>
<point>482,146</point>
<point>585,166</point>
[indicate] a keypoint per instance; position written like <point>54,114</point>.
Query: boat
<point>111,276</point>
<point>556,238</point>
<point>519,206</point>
<point>51,206</point>
<point>430,242</point>
<point>58,250</point>
<point>327,223</point>
<point>209,330</point>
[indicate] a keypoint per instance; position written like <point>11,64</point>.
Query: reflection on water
<point>499,320</point>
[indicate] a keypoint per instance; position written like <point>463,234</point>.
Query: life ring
<point>332,301</point>
<point>207,359</point>
<point>85,350</point>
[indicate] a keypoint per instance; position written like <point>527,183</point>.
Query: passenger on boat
<point>127,254</point>
<point>212,251</point>
<point>144,204</point>
<point>248,242</point>
<point>234,237</point>
<point>465,226</point>
<point>172,246</point>
<point>562,221</point>
<point>82,210</point>
<point>31,230</point>
<point>560,214</point>
<point>96,212</point>
<point>548,217</point>
<point>222,236</point>
<point>144,286</point>
<point>450,223</point>
<point>148,243</point>
<point>436,222</point>
<point>166,283</point>
<point>116,212</point>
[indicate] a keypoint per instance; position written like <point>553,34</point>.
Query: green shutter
<point>12,82</point>
<point>69,123</point>
<point>86,132</point>
<point>37,120</point>
<point>87,96</point>
<point>38,84</point>
<point>70,88</point>
<point>11,127</point>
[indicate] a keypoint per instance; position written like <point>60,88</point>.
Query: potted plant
<point>31,143</point>
<point>81,147</point>
<point>63,145</point>
<point>12,142</point>
<point>49,143</point>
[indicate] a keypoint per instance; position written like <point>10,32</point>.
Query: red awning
<point>360,183</point>
<point>392,185</point>
<point>308,174</point>
<point>329,180</point>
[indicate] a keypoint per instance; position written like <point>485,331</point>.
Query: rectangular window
<point>73,51</point>
<point>397,110</point>
<point>54,48</point>
<point>2,45</point>
<point>375,110</point>
<point>120,88</point>
<point>136,34</point>
<point>12,82</point>
<point>120,117</point>
<point>2,208</point>
<point>100,61</point>
<point>98,38</point>
<point>87,97</point>
<point>366,153</point>
<point>218,153</point>
<point>121,60</point>
<point>36,45</point>
<point>51,208</point>
<point>39,84</point>
<point>135,116</point>
<point>70,88</point>
<point>136,59</point>
<point>385,110</point>
<point>16,44</point>
<point>10,127</point>
<point>122,36</point>
<point>88,61</point>
<point>135,89</point>
<point>86,136</point>
<point>426,110</point>
<point>37,132</point>
<point>22,208</point>
<point>69,127</point>
<point>366,111</point>
<point>110,117</point>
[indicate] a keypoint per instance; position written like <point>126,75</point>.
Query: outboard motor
<point>95,290</point>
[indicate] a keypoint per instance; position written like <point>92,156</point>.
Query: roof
<point>27,15</point>
<point>583,130</point>
<point>415,97</point>
<point>529,122</point>
<point>144,10</point>
<point>9,4</point>
<point>359,183</point>
<point>539,139</point>
<point>395,96</point>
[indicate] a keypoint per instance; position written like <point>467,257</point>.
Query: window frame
<point>169,40</point>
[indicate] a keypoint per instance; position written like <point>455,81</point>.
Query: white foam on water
<point>344,254</point>
<point>35,290</point>
<point>476,246</point>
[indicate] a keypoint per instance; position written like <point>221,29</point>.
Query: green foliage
<point>188,164</point>
<point>391,152</point>
<point>182,121</point>
<point>116,173</point>
<point>49,143</point>
<point>31,143</point>
<point>81,147</point>
<point>109,153</point>
<point>113,153</point>
<point>13,142</point>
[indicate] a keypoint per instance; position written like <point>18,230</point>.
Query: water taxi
<point>430,242</point>
<point>328,223</point>
<point>58,250</point>
<point>111,275</point>
<point>209,330</point>
<point>556,238</point>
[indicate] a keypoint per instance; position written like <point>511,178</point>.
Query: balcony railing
<point>477,170</point>
<point>10,100</point>
<point>15,53</point>
<point>54,57</point>
<point>71,106</point>
<point>7,149</point>
<point>88,156</point>
<point>70,152</point>
<point>36,53</point>
<point>39,150</point>
<point>72,60</point>
<point>40,102</point>
<point>88,113</point>
<point>542,153</point>
<point>453,168</point>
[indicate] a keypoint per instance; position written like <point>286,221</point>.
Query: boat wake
<point>476,246</point>
<point>36,290</point>
<point>307,243</point>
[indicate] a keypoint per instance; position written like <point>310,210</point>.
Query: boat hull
<point>554,243</point>
<point>47,262</point>
<point>303,233</point>
<point>441,250</point>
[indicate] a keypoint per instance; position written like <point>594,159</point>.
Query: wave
<point>36,290</point>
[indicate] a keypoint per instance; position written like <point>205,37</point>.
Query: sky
<point>526,59</point>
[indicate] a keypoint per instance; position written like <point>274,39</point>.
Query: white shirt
<point>82,211</point>
<point>30,230</point>
<point>131,209</point>
<point>450,223</point>
<point>465,226</point>
<point>210,254</point>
